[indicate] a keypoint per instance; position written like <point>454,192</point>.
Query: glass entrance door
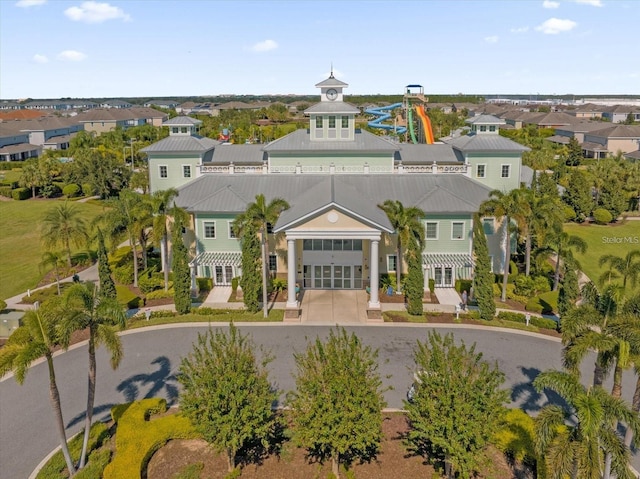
<point>224,274</point>
<point>443,276</point>
<point>329,276</point>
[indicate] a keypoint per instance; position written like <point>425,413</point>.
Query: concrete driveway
<point>326,306</point>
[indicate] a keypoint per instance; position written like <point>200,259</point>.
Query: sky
<point>95,49</point>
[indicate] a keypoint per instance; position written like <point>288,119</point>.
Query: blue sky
<point>55,48</point>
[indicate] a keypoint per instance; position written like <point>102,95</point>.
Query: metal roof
<point>239,155</point>
<point>411,154</point>
<point>486,120</point>
<point>182,121</point>
<point>331,81</point>
<point>482,143</point>
<point>461,260</point>
<point>185,144</point>
<point>300,140</point>
<point>332,107</point>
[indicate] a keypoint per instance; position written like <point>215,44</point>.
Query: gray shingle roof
<point>486,120</point>
<point>336,107</point>
<point>360,194</point>
<point>182,121</point>
<point>198,144</point>
<point>618,131</point>
<point>486,143</point>
<point>239,155</point>
<point>331,81</point>
<point>300,140</point>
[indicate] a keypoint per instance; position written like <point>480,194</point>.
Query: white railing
<point>298,169</point>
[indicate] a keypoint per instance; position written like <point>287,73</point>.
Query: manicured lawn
<point>615,240</point>
<point>20,248</point>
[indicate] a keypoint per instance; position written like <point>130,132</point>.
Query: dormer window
<point>318,122</point>
<point>483,127</point>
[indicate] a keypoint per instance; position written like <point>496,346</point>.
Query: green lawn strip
<point>139,435</point>
<point>217,316</point>
<point>603,240</point>
<point>20,247</point>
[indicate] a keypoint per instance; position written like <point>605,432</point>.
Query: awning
<point>217,258</point>
<point>461,260</point>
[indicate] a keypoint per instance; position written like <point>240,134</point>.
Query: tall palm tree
<point>407,224</point>
<point>574,441</point>
<point>262,214</point>
<point>121,221</point>
<point>55,260</point>
<point>543,216</point>
<point>508,206</point>
<point>560,244</point>
<point>36,338</point>
<point>84,308</point>
<point>163,210</point>
<point>635,402</point>
<point>62,225</point>
<point>627,267</point>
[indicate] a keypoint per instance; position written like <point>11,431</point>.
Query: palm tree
<point>162,211</point>
<point>511,205</point>
<point>55,260</point>
<point>407,224</point>
<point>262,215</point>
<point>121,221</point>
<point>574,441</point>
<point>36,338</point>
<point>627,267</point>
<point>560,243</point>
<point>84,308</point>
<point>635,403</point>
<point>62,225</point>
<point>544,216</point>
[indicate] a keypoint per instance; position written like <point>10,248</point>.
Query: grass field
<point>20,248</point>
<point>615,240</point>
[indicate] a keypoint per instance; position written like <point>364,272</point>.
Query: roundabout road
<point>152,358</point>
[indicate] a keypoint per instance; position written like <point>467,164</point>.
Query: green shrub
<point>140,436</point>
<point>3,305</point>
<point>545,303</point>
<point>206,311</point>
<point>148,282</point>
<point>463,285</point>
<point>87,189</point>
<point>388,279</point>
<point>569,213</point>
<point>234,284</point>
<point>123,274</point>
<point>279,284</point>
<point>127,298</point>
<point>94,469</point>
<point>11,165</point>
<point>432,285</point>
<point>161,294</point>
<point>20,194</point>
<point>602,216</point>
<point>536,321</point>
<point>121,256</point>
<point>41,295</point>
<point>517,436</point>
<point>159,313</point>
<point>204,284</point>
<point>51,190</point>
<point>6,191</point>
<point>71,190</point>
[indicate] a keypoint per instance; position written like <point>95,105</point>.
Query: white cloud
<point>491,39</point>
<point>40,58</point>
<point>554,26</point>
<point>94,12</point>
<point>550,4</point>
<point>519,30</point>
<point>593,3</point>
<point>71,56</point>
<point>30,3</point>
<point>264,46</point>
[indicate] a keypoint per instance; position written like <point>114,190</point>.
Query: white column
<point>374,301</point>
<point>292,302</point>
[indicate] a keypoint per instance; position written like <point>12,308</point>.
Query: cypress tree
<point>107,286</point>
<point>569,290</point>
<point>251,279</point>
<point>483,278</point>
<point>181,273</point>
<point>413,286</point>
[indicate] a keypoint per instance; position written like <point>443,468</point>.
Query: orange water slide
<point>426,124</point>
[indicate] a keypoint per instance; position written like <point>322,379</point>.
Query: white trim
<point>437,223</point>
<point>190,170</point>
<point>462,235</point>
<point>502,167</point>
<point>337,234</point>
<point>332,205</point>
<point>485,170</point>
<point>396,261</point>
<point>166,167</point>
<point>204,228</point>
<point>230,234</point>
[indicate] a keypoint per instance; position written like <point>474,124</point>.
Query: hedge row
<point>533,320</point>
<point>127,298</point>
<point>140,436</point>
<point>21,194</point>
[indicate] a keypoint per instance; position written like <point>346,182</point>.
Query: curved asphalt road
<point>152,357</point>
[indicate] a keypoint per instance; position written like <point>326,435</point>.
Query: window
<point>392,263</point>
<point>345,122</point>
<point>457,230</point>
<point>269,228</point>
<point>163,171</point>
<point>432,230</point>
<point>232,234</point>
<point>186,171</point>
<point>210,229</point>
<point>332,122</point>
<point>174,129</point>
<point>492,128</point>
<point>183,129</point>
<point>483,127</point>
<point>481,171</point>
<point>506,171</point>
<point>488,226</point>
<point>318,122</point>
<point>273,262</point>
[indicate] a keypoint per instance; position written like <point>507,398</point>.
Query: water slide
<point>426,125</point>
<point>384,113</point>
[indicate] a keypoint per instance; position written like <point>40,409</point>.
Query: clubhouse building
<point>334,176</point>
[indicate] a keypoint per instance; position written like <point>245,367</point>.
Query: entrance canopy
<point>217,258</point>
<point>462,260</point>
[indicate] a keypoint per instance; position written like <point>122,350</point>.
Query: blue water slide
<point>384,113</point>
